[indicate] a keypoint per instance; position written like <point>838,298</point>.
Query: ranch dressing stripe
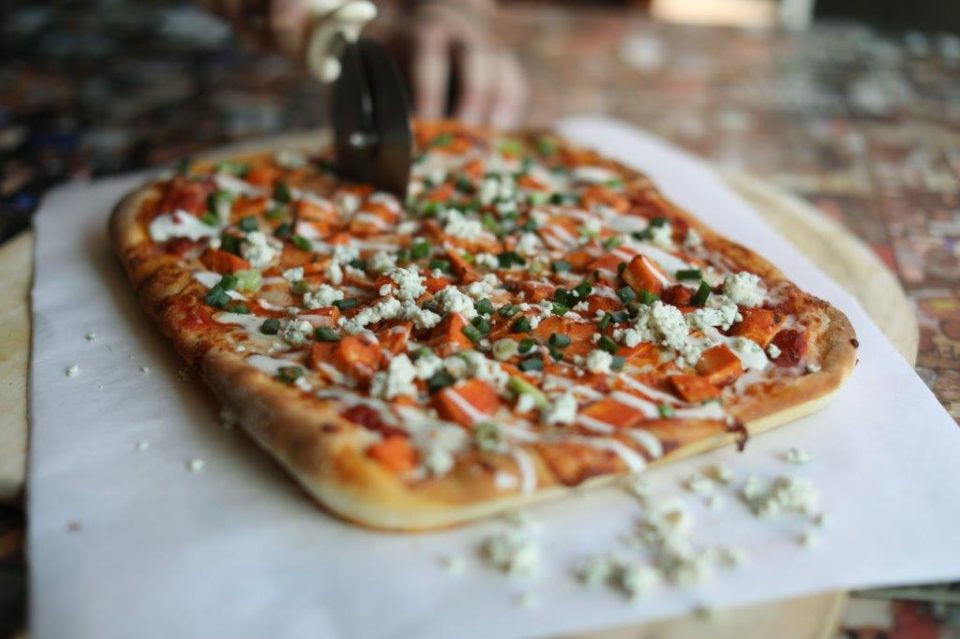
<point>652,393</point>
<point>595,425</point>
<point>668,261</point>
<point>468,408</point>
<point>268,365</point>
<point>647,408</point>
<point>528,474</point>
<point>630,457</point>
<point>648,440</point>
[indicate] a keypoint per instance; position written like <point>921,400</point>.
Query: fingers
<point>510,104</point>
<point>431,71</point>
<point>290,21</point>
<point>478,83</point>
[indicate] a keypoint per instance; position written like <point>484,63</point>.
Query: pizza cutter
<point>373,141</point>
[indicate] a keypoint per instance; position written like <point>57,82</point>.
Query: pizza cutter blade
<point>373,142</point>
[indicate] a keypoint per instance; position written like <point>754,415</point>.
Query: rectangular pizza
<point>530,318</point>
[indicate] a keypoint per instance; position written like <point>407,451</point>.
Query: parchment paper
<point>125,542</point>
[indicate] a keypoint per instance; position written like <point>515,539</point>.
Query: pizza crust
<point>307,436</point>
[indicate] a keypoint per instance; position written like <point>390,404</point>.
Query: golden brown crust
<point>308,437</point>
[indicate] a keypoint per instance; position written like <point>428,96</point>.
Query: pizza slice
<point>533,317</point>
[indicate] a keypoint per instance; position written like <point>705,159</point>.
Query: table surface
<point>863,125</point>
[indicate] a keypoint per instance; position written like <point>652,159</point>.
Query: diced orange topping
<point>580,334</point>
<point>395,453</point>
<point>372,218</point>
<point>320,353</point>
<point>605,196</point>
<point>527,182</point>
<point>223,262</point>
<point>537,291</point>
<point>467,402</point>
<point>607,266</point>
<point>612,412</point>
<point>642,274</point>
<point>473,169</point>
<point>357,357</point>
<point>462,268</point>
<point>719,365</point>
<point>441,193</point>
<point>642,353</point>
<point>315,212</point>
<point>434,284</point>
<point>394,338</point>
<point>447,337</point>
<point>330,315</point>
<point>263,175</point>
<point>678,295</point>
<point>692,388</point>
<point>758,324</point>
<point>246,206</point>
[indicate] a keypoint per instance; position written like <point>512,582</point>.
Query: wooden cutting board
<point>826,243</point>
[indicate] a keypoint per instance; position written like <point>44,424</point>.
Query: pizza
<point>530,318</point>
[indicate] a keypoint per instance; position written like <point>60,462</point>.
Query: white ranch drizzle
<point>179,224</point>
<point>634,461</point>
<point>668,261</point>
<point>528,473</point>
<point>595,425</point>
<point>648,440</point>
<point>649,409</point>
<point>235,185</point>
<point>711,410</point>
<point>652,393</point>
<point>469,409</point>
<point>268,365</point>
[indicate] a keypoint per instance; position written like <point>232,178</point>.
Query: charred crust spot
<point>855,342</point>
<point>742,433</point>
<point>330,429</point>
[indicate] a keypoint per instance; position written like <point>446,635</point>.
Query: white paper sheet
<point>237,550</point>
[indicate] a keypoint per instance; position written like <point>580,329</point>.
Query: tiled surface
<point>866,127</point>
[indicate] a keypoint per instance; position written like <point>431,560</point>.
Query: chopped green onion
<point>230,243</point>
<point>546,146</point>
<point>538,198</point>
<point>281,192</point>
<point>583,289</point>
<point>441,140</point>
<point>270,326</point>
<point>559,340</point>
<point>419,250</point>
<point>646,297</point>
<point>440,264</point>
<point>276,213</point>
<point>526,344</point>
<point>520,386</point>
<point>345,304</point>
<point>608,345</point>
<point>504,349</point>
<point>633,309</point>
<point>249,280</point>
<point>302,243</point>
<point>509,310</point>
<point>234,168</point>
<point>613,184</point>
<point>358,264</point>
<point>564,296</point>
<point>626,294</point>
<point>689,274</point>
<point>509,258</point>
<point>430,209</point>
<point>299,287</point>
<point>612,242</point>
<point>239,309</point>
<point>484,306</point>
<point>665,410</point>
<point>531,364</point>
<point>555,353</point>
<point>560,309</point>
<point>326,334</point>
<point>249,223</point>
<point>289,374</point>
<point>511,146</point>
<point>521,325</point>
<point>659,221</point>
<point>617,362</point>
<point>472,332</point>
<point>439,381</point>
<point>283,231</point>
<point>481,323</point>
<point>210,219</point>
<point>620,316</point>
<point>487,436</point>
<point>605,321</point>
<point>700,297</point>
<point>228,282</point>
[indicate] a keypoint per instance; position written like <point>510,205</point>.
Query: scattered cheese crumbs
<point>822,520</point>
<point>90,336</point>
<point>698,484</point>
<point>783,494</point>
<point>195,465</point>
<point>562,409</point>
<point>731,556</point>
<point>144,369</point>
<point>514,552</point>
<point>809,538</point>
<point>662,236</point>
<point>260,250</point>
<point>594,572</point>
<point>719,473</point>
<point>743,288</point>
<point>396,381</point>
<point>296,332</point>
<point>599,361</point>
<point>453,564</point>
<point>74,526</point>
<point>637,580</point>
<point>72,371</point>
<point>797,456</point>
<point>773,351</point>
<point>714,502</point>
<point>143,444</point>
<point>294,274</point>
<point>452,300</point>
<point>323,297</point>
<point>637,485</point>
<point>814,368</point>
